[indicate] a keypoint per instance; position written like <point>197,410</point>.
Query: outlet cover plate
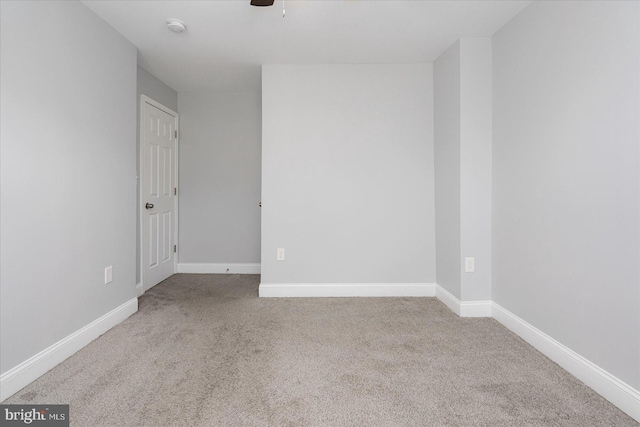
<point>469,265</point>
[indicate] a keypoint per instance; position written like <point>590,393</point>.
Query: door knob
<point>149,206</point>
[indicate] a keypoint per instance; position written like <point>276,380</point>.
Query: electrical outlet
<point>108,274</point>
<point>469,265</point>
<point>280,254</point>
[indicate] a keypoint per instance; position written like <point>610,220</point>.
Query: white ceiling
<point>227,41</point>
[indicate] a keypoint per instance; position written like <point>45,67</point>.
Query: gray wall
<point>462,81</point>
<point>565,177</point>
<point>446,78</point>
<point>151,86</point>
<point>220,150</point>
<point>475,165</point>
<point>347,174</point>
<point>68,173</point>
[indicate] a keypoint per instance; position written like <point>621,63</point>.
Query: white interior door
<point>158,191</point>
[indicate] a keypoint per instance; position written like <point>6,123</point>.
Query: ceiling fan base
<point>262,3</point>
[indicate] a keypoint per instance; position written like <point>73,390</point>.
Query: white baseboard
<point>611,388</point>
<point>448,299</point>
<point>31,369</point>
<point>476,308</point>
<point>463,308</point>
<point>219,268</point>
<point>139,289</point>
<point>286,290</point>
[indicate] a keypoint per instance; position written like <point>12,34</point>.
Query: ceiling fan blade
<point>262,3</point>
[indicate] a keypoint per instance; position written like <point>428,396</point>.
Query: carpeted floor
<point>204,350</point>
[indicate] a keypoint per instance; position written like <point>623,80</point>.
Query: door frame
<point>145,99</point>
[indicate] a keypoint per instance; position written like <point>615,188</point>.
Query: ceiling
<point>227,41</point>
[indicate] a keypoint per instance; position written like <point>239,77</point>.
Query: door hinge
<point>176,131</point>
<point>175,248</point>
<point>175,191</point>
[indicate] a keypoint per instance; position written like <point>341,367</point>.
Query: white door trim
<point>145,99</point>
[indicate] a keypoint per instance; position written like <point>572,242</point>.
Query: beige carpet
<point>204,350</point>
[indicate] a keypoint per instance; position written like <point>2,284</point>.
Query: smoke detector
<point>176,25</point>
